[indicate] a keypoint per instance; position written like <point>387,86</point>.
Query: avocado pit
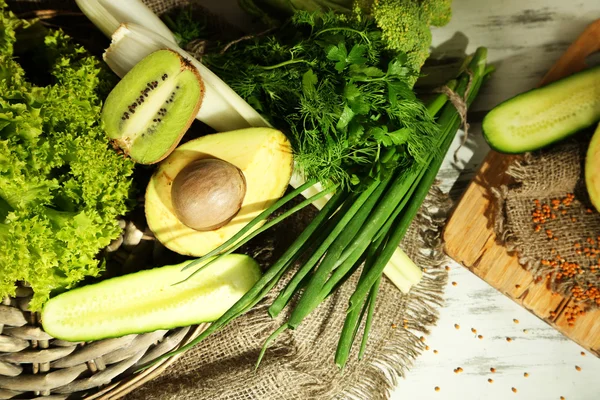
<point>207,193</point>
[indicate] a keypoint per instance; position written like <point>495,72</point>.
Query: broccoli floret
<point>440,11</point>
<point>405,25</point>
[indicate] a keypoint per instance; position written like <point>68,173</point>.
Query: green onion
<point>352,228</point>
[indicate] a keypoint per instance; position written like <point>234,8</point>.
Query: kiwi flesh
<point>151,108</point>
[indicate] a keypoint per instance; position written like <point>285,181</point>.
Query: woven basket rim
<point>122,387</point>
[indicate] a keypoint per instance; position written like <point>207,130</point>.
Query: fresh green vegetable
<point>404,23</point>
<point>592,169</point>
<point>149,300</point>
<point>61,187</point>
<point>535,119</point>
<point>330,84</point>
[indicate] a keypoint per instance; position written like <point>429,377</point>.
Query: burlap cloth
<point>545,216</point>
<point>300,364</point>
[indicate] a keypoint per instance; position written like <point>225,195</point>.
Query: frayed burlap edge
<point>506,236</point>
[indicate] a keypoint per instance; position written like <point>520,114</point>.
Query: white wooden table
<point>524,38</point>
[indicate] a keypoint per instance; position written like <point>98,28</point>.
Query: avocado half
<point>264,155</point>
<point>592,169</point>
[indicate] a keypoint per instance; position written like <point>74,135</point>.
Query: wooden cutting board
<point>470,237</point>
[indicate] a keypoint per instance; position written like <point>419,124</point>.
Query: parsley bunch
<point>344,100</point>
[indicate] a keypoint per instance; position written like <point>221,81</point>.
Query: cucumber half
<point>537,118</point>
<point>150,300</point>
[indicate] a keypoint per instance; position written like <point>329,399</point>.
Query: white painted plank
<point>524,39</point>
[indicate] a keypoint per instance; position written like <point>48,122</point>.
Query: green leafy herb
<point>330,83</point>
<point>404,23</point>
<point>61,187</point>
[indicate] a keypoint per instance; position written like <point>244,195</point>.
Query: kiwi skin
<point>207,193</point>
<point>149,143</point>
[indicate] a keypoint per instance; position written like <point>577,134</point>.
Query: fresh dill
<point>344,100</point>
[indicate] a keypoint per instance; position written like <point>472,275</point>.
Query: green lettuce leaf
<point>61,185</point>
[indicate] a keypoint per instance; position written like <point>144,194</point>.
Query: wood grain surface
<point>471,240</point>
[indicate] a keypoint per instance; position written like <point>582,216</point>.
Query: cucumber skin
<point>49,308</point>
<point>501,149</point>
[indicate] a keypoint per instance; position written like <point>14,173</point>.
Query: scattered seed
<point>454,283</point>
<point>583,353</point>
<point>514,390</point>
<point>422,339</point>
<point>457,326</point>
<point>435,351</point>
<point>437,388</point>
<point>473,330</point>
<point>480,337</point>
<point>394,326</point>
<point>490,380</point>
<point>562,397</point>
<point>525,331</point>
<point>578,368</point>
<point>426,347</point>
<point>492,370</point>
<point>447,268</point>
<point>509,339</point>
<point>526,375</point>
<point>517,286</point>
<point>516,321</point>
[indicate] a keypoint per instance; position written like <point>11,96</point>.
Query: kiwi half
<point>151,108</point>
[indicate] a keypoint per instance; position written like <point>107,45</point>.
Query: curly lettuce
<point>61,186</point>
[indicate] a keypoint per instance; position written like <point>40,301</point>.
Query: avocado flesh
<point>264,156</point>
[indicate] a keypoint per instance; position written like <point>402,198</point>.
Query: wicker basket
<point>34,365</point>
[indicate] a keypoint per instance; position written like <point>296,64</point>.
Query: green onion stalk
<point>353,229</point>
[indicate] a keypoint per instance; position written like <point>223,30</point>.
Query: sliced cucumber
<point>150,300</point>
<point>537,118</point>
